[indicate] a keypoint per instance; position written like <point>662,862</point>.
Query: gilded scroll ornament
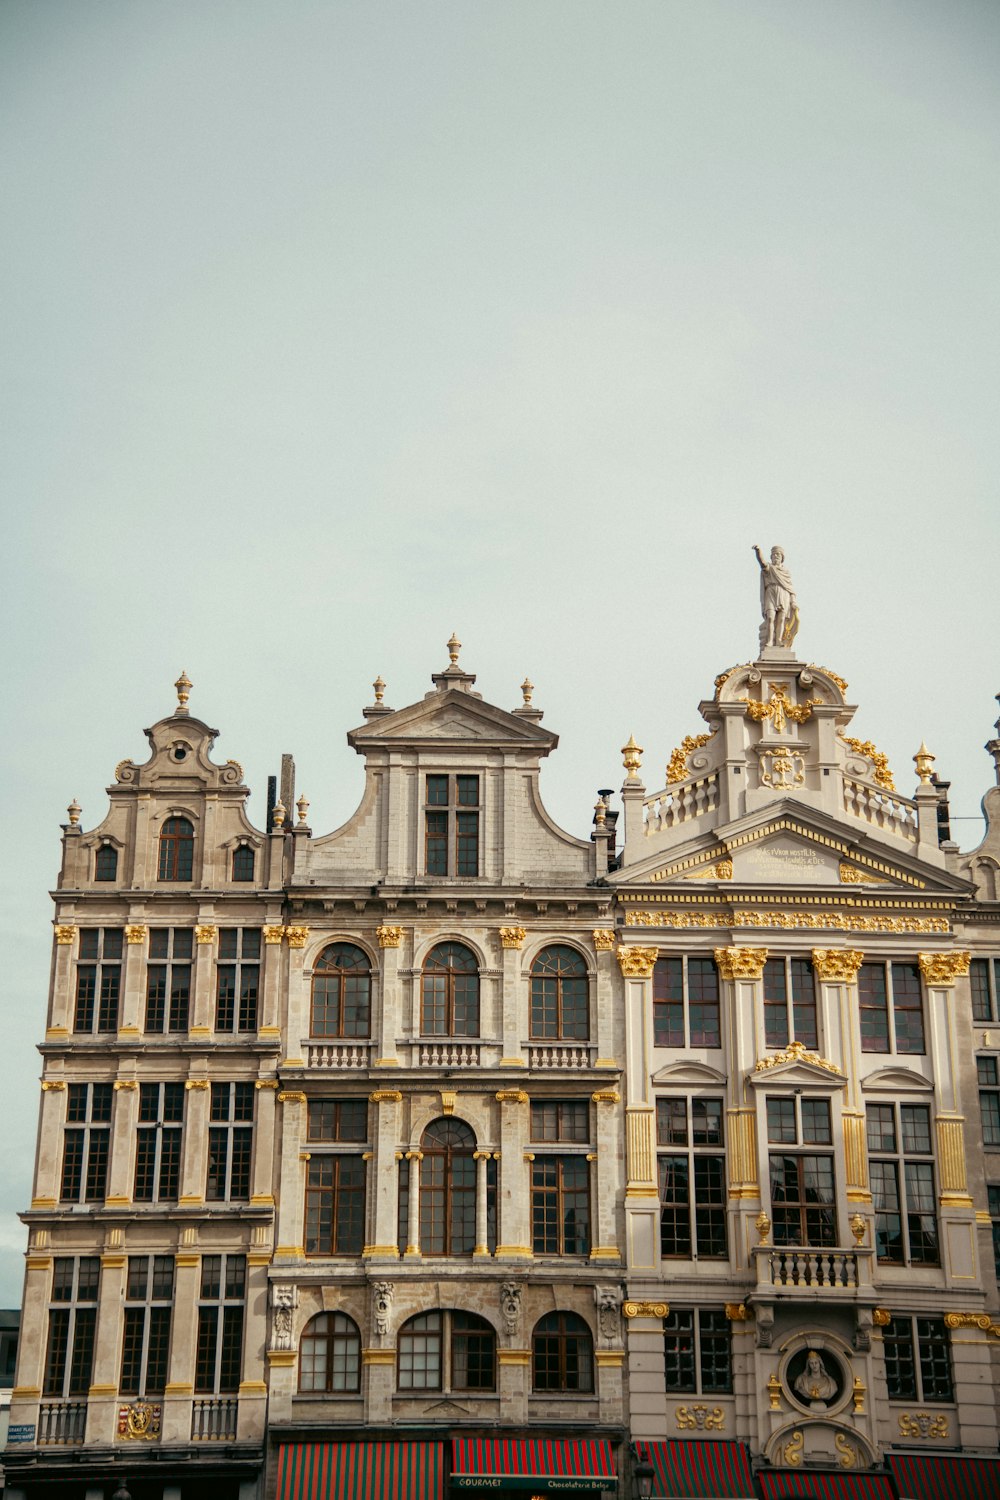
<point>792,1451</point>
<point>604,939</point>
<point>763,1226</point>
<point>942,969</point>
<point>881,774</point>
<point>923,1424</point>
<point>291,1096</point>
<point>198,1083</point>
<point>782,768</point>
<point>135,933</point>
<point>833,676</point>
<point>637,963</point>
<point>851,875</point>
<point>972,1320</point>
<point>512,1096</point>
<point>795,1052</point>
<point>737,1312</point>
<point>297,936</point>
<point>646,1309</point>
<point>386,1096</point>
<point>849,1457</point>
<point>64,933</point>
<point>837,965</point>
<point>741,963</point>
<point>677,764</point>
<point>606,1096</point>
<point>512,937</point>
<point>389,937</point>
<point>705,1418</point>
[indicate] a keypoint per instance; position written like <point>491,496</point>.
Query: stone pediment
<point>895,1081</point>
<point>453,717</point>
<point>794,1067</point>
<point>689,1075</point>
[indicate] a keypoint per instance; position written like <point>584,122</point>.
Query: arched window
<point>562,1354</point>
<point>106,862</point>
<point>341,992</point>
<point>330,1354</point>
<point>448,1189</point>
<point>243,862</point>
<point>450,994</point>
<point>447,1351</point>
<point>559,1000</point>
<point>176,850</point>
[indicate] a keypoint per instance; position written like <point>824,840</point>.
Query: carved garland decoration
<point>881,774</point>
<point>795,1052</point>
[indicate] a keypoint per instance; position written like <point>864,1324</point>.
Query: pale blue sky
<point>330,328</point>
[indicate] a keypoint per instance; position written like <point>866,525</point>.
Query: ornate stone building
<point>330,1130</point>
<point>811,984</point>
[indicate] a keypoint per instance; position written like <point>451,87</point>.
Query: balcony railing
<point>544,1055</point>
<point>804,1267</point>
<point>447,1054</point>
<point>341,1057</point>
<point>61,1423</point>
<point>213,1420</point>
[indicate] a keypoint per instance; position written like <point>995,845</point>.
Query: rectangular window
<point>158,1142</point>
<point>993,1197</point>
<point>69,1350</point>
<point>98,979</point>
<point>86,1142</point>
<point>451,825</point>
<point>230,1143</point>
<point>901,1166</point>
<point>686,1003</point>
<point>918,1360</point>
<point>803,1199</point>
<point>697,1352</point>
<point>335,1205</point>
<point>988,1072</point>
<point>558,1120</point>
<point>984,981</point>
<point>237,980</point>
<point>168,979</point>
<point>337,1120</point>
<point>149,1295</point>
<point>890,1001</point>
<point>222,1299</point>
<point>692,1181</point>
<point>560,1205</point>
<point>790,1002</point>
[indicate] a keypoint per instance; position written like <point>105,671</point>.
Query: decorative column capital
<point>297,936</point>
<point>741,963</point>
<point>135,932</point>
<point>636,962</point>
<point>512,1096</point>
<point>942,969</point>
<point>386,1096</point>
<point>837,965</point>
<point>646,1309</point>
<point>512,937</point>
<point>606,1096</point>
<point>389,937</point>
<point>273,934</point>
<point>205,932</point>
<point>604,939</point>
<point>291,1096</point>
<point>64,933</point>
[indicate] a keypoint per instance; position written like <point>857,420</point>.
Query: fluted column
<point>385,1173</point>
<point>203,987</point>
<point>413,1215</point>
<point>513,1227</point>
<point>481,1158</point>
<point>513,997</point>
<point>389,939</point>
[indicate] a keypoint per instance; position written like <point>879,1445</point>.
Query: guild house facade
<point>450,1153</point>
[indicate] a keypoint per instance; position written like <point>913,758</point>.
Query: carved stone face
<point>777,555</point>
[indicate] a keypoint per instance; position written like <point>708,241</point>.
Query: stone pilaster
<point>958,1229</point>
<point>604,942</point>
<point>513,1227</point>
<point>179,1389</point>
<point>262,1191</point>
<point>272,959</point>
<point>132,1014</point>
<point>513,1002</point>
<point>389,940</point>
<point>203,980</point>
<point>482,1249</point>
<point>642,1243</point>
<point>253,1389</point>
<point>102,1399</point>
<point>385,1173</point>
<point>50,1143</point>
<point>61,1001</point>
<point>124,1118</point>
<point>298,996</point>
<point>194,1164</point>
<point>413,1202</point>
<point>291,1208</point>
<point>605,1175</point>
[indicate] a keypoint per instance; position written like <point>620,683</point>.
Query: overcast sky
<point>330,328</point>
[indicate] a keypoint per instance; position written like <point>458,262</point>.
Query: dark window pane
<point>873,1007</point>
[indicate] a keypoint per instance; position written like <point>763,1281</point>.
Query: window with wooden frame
<point>446,1351</point>
<point>901,1171</point>
<point>158,1143</point>
<point>336,1182</point>
<point>562,1355</point>
<point>72,1325</point>
<point>451,825</point>
<point>230,1142</point>
<point>176,850</point>
<point>984,983</point>
<point>803,1194</point>
<point>221,1306</point>
<point>790,1002</point>
<point>98,979</point>
<point>448,1189</point>
<point>692,1178</point>
<point>988,1075</point>
<point>560,1120</point>
<point>341,992</point>
<point>149,1297</point>
<point>698,1352</point>
<point>244,862</point>
<point>890,1002</point>
<point>993,1204</point>
<point>106,862</point>
<point>686,1010</point>
<point>918,1359</point>
<point>168,979</point>
<point>237,980</point>
<point>560,1205</point>
<point>560,996</point>
<point>86,1142</point>
<point>449,994</point>
<point>330,1355</point>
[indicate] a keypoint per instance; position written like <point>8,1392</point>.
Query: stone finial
<point>303,806</point>
<point>527,688</point>
<point>183,686</point>
<point>379,686</point>
<point>454,647</point>
<point>73,813</point>
<point>924,762</point>
<point>278,816</point>
<point>632,757</point>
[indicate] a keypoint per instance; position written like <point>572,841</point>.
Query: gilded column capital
<point>64,932</point>
<point>881,1317</point>
<point>386,1096</point>
<point>205,932</point>
<point>129,1085</point>
<point>646,1309</point>
<point>942,969</point>
<point>53,1085</point>
<point>273,934</point>
<point>291,1096</point>
<point>637,963</point>
<point>972,1320</point>
<point>741,963</point>
<point>197,1083</point>
<point>604,939</point>
<point>389,937</point>
<point>512,937</point>
<point>606,1096</point>
<point>837,965</point>
<point>265,1083</point>
<point>135,932</point>
<point>512,1096</point>
<point>297,936</point>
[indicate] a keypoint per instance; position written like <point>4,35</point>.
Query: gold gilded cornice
<point>837,921</point>
<point>636,963</point>
<point>741,963</point>
<point>837,965</point>
<point>389,937</point>
<point>942,969</point>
